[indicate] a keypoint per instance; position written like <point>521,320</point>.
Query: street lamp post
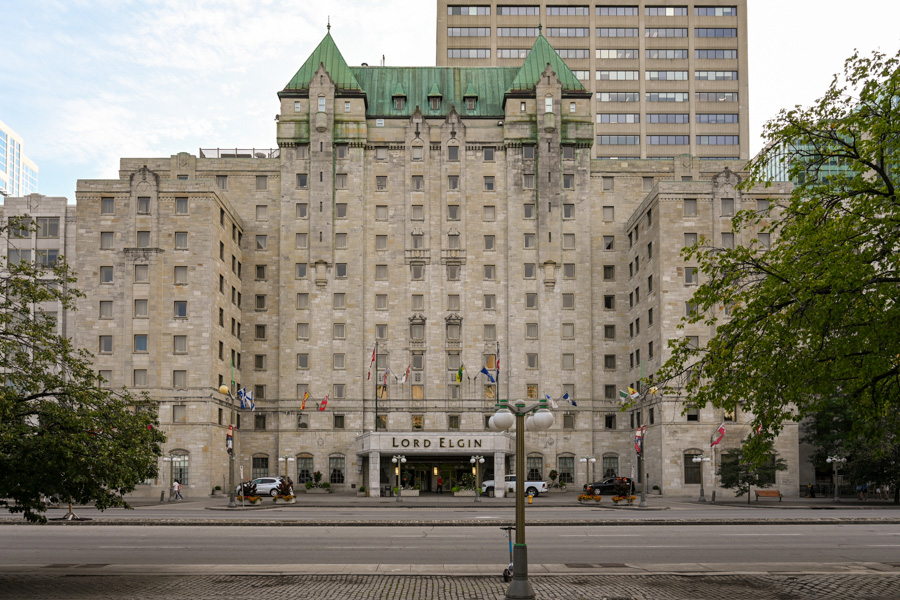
<point>700,460</point>
<point>286,459</point>
<point>836,462</point>
<point>477,461</point>
<point>398,460</point>
<point>588,461</point>
<point>226,391</point>
<point>520,588</point>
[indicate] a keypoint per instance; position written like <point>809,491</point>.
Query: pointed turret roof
<point>327,54</point>
<point>530,72</point>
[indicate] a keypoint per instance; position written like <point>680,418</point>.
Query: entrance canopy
<point>435,444</point>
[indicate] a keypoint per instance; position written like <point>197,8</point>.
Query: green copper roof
<point>541,54</point>
<point>470,91</point>
<point>435,92</point>
<point>452,84</point>
<point>398,90</point>
<point>326,53</point>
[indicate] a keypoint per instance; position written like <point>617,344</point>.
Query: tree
<point>815,316</point>
<point>739,473</point>
<point>62,435</point>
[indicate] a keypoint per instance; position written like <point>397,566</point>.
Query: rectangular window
<point>568,301</point>
<point>490,302</point>
<point>143,239</point>
<point>181,240</point>
<point>143,206</point>
<point>106,274</point>
<point>381,182</point>
<point>690,239</point>
<point>338,301</point>
<point>141,309</point>
<point>106,309</point>
<point>107,206</point>
<point>531,300</point>
<point>489,183</point>
<point>381,301</point>
<point>728,240</point>
<point>569,270</point>
<point>568,241</point>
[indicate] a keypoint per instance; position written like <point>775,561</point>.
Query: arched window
<point>534,467</point>
<point>304,468</point>
<point>259,466</point>
<point>336,468</point>
<point>566,468</point>
<point>181,462</point>
<point>610,465</point>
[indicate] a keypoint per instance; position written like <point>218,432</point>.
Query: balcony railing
<point>239,153</point>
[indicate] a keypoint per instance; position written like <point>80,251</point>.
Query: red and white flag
<point>323,403</point>
<point>406,375</point>
<point>371,362</point>
<point>639,439</point>
<point>717,436</point>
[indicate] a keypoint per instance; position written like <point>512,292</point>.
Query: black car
<point>610,485</point>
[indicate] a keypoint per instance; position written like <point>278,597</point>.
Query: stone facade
<point>430,235</point>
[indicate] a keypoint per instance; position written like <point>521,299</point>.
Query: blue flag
<point>566,398</point>
<point>240,396</point>
<point>488,373</point>
<point>250,401</point>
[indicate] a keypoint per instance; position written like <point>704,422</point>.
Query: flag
<point>323,404</point>
<point>653,390</point>
<point>387,370</point>
<point>369,375</point>
<point>406,375</point>
<point>459,373</point>
<point>489,376</point>
<point>633,393</point>
<point>566,398</point>
<point>639,439</point>
<point>623,397</point>
<point>713,440</point>
<point>241,393</point>
<point>759,429</point>
<point>250,402</point>
<point>551,401</point>
<point>305,398</point>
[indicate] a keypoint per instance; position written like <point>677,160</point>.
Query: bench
<point>768,494</point>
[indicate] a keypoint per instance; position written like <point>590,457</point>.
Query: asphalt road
<point>777,545</point>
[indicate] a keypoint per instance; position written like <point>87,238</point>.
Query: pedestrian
<point>885,492</point>
<point>176,489</point>
<point>859,490</point>
<point>865,490</point>
<point>290,485</point>
<point>440,485</point>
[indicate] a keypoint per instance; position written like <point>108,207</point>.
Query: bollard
<point>162,497</point>
<point>713,501</point>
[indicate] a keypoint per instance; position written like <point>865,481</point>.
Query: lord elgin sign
<point>437,442</point>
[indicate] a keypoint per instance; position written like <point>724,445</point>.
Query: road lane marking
<point>766,534</point>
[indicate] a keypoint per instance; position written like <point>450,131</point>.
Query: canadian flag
<point>323,404</point>
<point>717,436</point>
<point>406,375</point>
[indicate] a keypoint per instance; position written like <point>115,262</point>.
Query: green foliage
<point>62,435</point>
<point>248,489</point>
<point>740,470</point>
<point>815,317</point>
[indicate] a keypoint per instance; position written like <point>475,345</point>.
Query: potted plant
<point>465,487</point>
<point>317,486</point>
<point>247,492</point>
<point>362,491</point>
<point>657,490</point>
<point>285,493</point>
<point>217,491</point>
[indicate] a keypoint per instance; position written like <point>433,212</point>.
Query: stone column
<point>499,471</point>
<point>374,474</point>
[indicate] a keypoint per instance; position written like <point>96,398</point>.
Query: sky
<point>87,82</point>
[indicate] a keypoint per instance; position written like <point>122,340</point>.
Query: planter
<point>558,490</point>
<point>280,500</point>
<point>362,494</point>
<point>318,491</point>
<point>410,493</point>
<point>465,493</point>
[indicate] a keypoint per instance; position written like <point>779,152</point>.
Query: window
<point>666,32</point>
<point>106,274</point>
<point>337,360</point>
<point>609,332</point>
<point>139,377</point>
<point>453,212</point>
<point>143,206</point>
<point>489,272</point>
<point>568,181</point>
<point>690,276</point>
<point>489,183</point>
<point>490,302</point>
<point>727,207</point>
<point>531,331</point>
<point>692,472</point>
<point>179,378</point>
<point>338,301</point>
<point>568,421</point>
<point>141,309</point>
<point>718,140</point>
<point>490,332</point>
<point>107,206</point>
<point>765,240</point>
<point>381,212</point>
<point>181,240</point>
<point>609,361</point>
<point>381,182</point>
<point>106,309</point>
<point>381,301</point>
<point>381,272</point>
<point>762,205</point>
<point>690,239</point>
<point>609,302</point>
<point>530,240</point>
<point>488,213</point>
<point>568,331</point>
<point>715,32</point>
<point>568,362</point>
<point>617,31</point>
<point>340,270</point>
<point>531,300</point>
<point>568,241</point>
<point>453,272</point>
<point>180,309</point>
<point>381,331</point>
<point>417,272</point>
<point>453,153</point>
<point>569,270</point>
<point>489,242</point>
<point>453,182</point>
<point>303,361</point>
<point>617,75</point>
<point>143,239</point>
<point>534,465</point>
<point>336,469</point>
<point>568,301</point>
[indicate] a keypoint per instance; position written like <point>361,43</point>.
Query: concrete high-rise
<point>668,78</point>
